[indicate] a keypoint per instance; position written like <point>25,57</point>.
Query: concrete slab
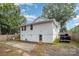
<point>22,45</point>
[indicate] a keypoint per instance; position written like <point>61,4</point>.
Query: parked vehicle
<point>65,38</point>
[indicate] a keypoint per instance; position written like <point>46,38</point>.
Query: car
<point>65,38</point>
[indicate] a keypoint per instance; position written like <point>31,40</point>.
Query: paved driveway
<point>22,45</point>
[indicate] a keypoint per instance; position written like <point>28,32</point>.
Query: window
<point>40,38</point>
<point>31,27</point>
<point>23,28</point>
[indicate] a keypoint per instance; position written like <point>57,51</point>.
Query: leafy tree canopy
<point>10,17</point>
<point>61,12</point>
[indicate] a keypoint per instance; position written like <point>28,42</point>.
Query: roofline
<point>37,19</point>
<point>38,23</point>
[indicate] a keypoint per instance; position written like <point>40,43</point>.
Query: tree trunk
<point>61,28</point>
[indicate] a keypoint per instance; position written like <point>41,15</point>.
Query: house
<point>40,30</point>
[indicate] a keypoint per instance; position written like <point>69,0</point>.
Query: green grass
<point>56,41</point>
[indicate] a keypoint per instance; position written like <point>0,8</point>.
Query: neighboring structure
<point>74,33</point>
<point>40,30</point>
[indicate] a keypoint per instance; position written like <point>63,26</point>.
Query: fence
<point>8,37</point>
<point>74,36</point>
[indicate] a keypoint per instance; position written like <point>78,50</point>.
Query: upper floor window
<point>31,27</point>
<point>23,28</point>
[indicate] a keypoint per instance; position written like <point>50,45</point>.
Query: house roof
<point>41,20</point>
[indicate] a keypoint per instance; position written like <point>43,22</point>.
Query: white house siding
<point>55,33</point>
<point>47,30</point>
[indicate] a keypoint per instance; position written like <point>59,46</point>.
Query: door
<point>40,38</point>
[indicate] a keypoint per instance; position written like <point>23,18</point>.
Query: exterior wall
<point>47,30</point>
<point>55,33</point>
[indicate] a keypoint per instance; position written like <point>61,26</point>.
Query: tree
<point>75,30</point>
<point>61,12</point>
<point>10,18</point>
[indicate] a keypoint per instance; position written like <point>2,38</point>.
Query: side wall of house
<point>47,30</point>
<point>56,32</point>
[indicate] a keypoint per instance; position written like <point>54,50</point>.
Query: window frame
<point>23,28</point>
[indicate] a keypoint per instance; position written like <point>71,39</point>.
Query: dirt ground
<point>54,50</point>
<point>16,48</point>
<point>8,50</point>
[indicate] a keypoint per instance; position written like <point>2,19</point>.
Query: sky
<point>33,10</point>
<point>75,21</point>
